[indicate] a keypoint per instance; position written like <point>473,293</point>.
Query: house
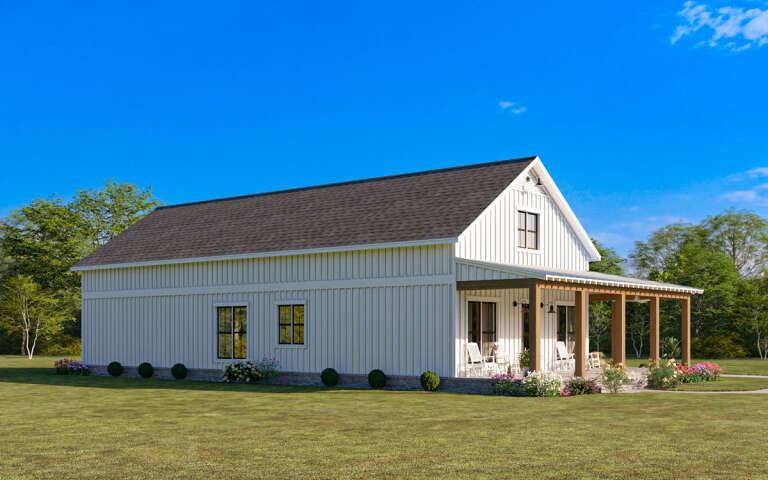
<point>399,273</point>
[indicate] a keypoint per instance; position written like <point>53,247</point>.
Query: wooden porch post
<point>580,330</point>
<point>619,328</point>
<point>534,326</point>
<point>654,329</point>
<point>685,347</point>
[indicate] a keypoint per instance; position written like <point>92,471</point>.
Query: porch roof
<point>579,277</point>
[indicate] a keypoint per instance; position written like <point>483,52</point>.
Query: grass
<point>727,384</point>
<point>97,427</point>
<point>732,366</point>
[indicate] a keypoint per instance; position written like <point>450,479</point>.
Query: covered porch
<point>546,311</point>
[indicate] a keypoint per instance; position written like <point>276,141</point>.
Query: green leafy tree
<point>600,312</point>
<point>743,237</point>
<point>753,311</point>
<point>106,213</point>
<point>27,307</point>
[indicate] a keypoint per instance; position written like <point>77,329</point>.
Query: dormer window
<point>528,230</point>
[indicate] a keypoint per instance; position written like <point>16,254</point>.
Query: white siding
<point>466,272</point>
<point>509,322</point>
<point>492,237</point>
<point>401,320</point>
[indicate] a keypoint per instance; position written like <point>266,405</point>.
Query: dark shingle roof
<point>416,206</point>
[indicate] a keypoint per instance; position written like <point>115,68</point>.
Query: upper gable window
<point>528,230</point>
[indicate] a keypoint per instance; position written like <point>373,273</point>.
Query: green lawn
<point>727,384</point>
<point>733,366</point>
<point>94,427</point>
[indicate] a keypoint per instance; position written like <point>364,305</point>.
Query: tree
<point>600,312</point>
<point>743,237</point>
<point>25,306</point>
<point>753,308</point>
<point>637,326</point>
<point>106,213</point>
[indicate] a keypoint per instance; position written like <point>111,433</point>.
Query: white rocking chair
<point>593,361</point>
<point>475,361</point>
<point>564,360</point>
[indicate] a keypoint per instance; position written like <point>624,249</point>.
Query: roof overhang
<point>582,280</point>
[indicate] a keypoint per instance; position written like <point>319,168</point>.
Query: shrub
<point>508,384</point>
<point>146,370</point>
<point>543,384</point>
<point>614,377</point>
<point>330,377</point>
<point>245,372</point>
<point>115,369</point>
<point>179,371</point>
<point>77,367</point>
<point>268,369</point>
<point>430,381</point>
<point>718,346</point>
<point>663,374</point>
<point>62,366</point>
<point>580,386</point>
<point>377,379</point>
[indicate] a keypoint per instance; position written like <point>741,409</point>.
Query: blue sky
<point>644,113</point>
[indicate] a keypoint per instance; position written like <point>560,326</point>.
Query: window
<point>232,332</point>
<point>528,230</point>
<point>526,326</point>
<point>482,325</point>
<point>565,323</point>
<point>291,321</point>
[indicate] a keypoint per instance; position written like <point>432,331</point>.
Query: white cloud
<point>758,172</point>
<point>757,195</point>
<point>733,28</point>
<point>512,107</point>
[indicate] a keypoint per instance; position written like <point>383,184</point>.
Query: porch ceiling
<point>592,282</point>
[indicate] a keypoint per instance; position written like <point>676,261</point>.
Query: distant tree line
<point>39,243</point>
<point>727,256</point>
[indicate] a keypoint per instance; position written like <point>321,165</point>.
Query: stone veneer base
<point>394,382</point>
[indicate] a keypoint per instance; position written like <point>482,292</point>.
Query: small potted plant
<point>525,360</point>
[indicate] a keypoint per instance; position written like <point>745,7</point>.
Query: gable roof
<point>422,206</point>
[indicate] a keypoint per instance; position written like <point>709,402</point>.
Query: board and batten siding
<point>509,322</point>
<point>391,309</point>
<point>492,237</point>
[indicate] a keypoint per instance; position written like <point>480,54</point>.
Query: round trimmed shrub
<point>430,381</point>
<point>179,371</point>
<point>330,377</point>
<point>146,370</point>
<point>377,379</point>
<point>115,369</point>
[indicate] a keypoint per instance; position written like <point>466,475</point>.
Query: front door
<point>482,325</point>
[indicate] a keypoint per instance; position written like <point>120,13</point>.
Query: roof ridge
<point>353,182</point>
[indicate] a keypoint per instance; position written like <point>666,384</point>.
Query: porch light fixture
<point>514,303</point>
<point>551,309</point>
<point>538,182</point>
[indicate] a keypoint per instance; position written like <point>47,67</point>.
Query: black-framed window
<point>291,324</point>
<point>232,332</point>
<point>528,230</point>
<point>482,325</point>
<point>565,327</point>
<point>526,326</point>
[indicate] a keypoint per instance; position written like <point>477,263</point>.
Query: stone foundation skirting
<point>394,382</point>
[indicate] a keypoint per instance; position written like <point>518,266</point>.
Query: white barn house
<point>399,273</point>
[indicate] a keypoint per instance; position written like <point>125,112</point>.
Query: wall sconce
<point>514,303</point>
<point>551,309</point>
<point>541,305</point>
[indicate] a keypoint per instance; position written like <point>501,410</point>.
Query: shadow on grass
<point>37,376</point>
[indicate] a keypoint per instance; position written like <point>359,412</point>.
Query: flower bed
<point>666,373</point>
<point>701,372</point>
<point>65,366</point>
<point>536,384</point>
<point>580,386</point>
